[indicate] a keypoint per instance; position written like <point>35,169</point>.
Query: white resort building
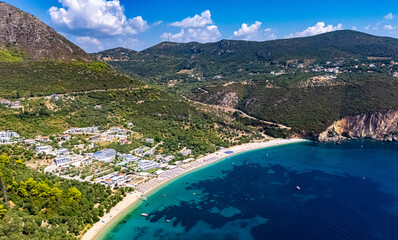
<point>146,165</point>
<point>106,155</point>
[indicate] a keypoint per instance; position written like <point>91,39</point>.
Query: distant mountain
<point>337,44</point>
<point>233,60</point>
<point>26,33</point>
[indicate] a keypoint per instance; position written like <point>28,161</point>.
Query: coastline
<point>131,199</point>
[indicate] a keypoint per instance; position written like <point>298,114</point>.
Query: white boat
<point>144,214</point>
<point>298,188</point>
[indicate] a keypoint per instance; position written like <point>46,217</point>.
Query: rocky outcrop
<point>380,126</point>
<point>25,32</point>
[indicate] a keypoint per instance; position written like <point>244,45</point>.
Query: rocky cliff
<point>25,32</point>
<point>380,125</point>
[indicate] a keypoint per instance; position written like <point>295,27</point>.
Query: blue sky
<point>96,25</point>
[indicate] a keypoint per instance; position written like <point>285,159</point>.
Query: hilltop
<point>25,32</point>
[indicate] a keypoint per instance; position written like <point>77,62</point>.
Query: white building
<point>128,157</point>
<point>168,158</point>
<point>62,151</point>
<point>106,155</point>
<point>44,149</point>
<point>140,150</point>
<point>186,152</point>
<point>9,135</point>
<point>82,130</point>
<point>150,140</point>
<point>146,165</point>
<point>59,161</point>
<point>29,141</point>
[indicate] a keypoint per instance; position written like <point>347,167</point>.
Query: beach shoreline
<point>132,198</point>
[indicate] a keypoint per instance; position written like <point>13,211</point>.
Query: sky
<point>97,25</point>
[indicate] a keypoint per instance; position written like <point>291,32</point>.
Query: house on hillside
<point>57,96</point>
<point>59,161</point>
<point>5,102</point>
<point>44,149</point>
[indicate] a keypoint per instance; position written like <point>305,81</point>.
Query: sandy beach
<point>145,188</point>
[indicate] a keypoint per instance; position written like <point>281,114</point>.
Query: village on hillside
<point>77,154</point>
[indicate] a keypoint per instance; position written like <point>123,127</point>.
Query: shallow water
<point>348,191</point>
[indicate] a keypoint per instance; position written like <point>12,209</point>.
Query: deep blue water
<point>348,191</point>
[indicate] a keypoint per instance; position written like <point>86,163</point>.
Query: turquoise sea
<point>347,191</point>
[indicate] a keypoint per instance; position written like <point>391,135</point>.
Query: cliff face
<point>381,126</point>
<point>27,33</point>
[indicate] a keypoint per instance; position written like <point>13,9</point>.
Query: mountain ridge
<point>24,32</point>
<point>340,40</point>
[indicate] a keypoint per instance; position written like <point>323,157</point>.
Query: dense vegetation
<point>29,78</point>
<point>11,55</point>
<point>312,108</point>
<point>37,206</point>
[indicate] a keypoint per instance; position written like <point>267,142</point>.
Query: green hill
<point>230,60</point>
<point>35,60</point>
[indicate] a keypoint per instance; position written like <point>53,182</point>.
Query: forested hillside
<point>37,206</point>
<point>309,108</point>
<point>181,64</point>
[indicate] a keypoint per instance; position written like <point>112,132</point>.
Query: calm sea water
<point>348,191</point>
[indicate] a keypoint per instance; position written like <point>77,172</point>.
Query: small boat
<point>144,214</point>
<point>167,220</point>
<point>298,188</point>
<point>144,198</point>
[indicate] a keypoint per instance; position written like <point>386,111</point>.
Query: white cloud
<point>272,36</point>
<point>318,28</point>
<point>88,40</point>
<point>354,28</point>
<point>194,29</point>
<point>389,27</point>
<point>389,16</point>
<point>89,43</point>
<point>178,37</point>
<point>253,32</point>
<point>157,23</point>
<point>247,32</point>
<point>367,28</point>
<point>195,21</point>
<point>207,34</point>
<point>98,17</point>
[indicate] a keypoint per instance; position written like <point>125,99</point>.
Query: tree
<point>3,161</point>
<point>2,211</point>
<point>74,194</point>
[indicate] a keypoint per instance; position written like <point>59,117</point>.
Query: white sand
<point>132,198</point>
